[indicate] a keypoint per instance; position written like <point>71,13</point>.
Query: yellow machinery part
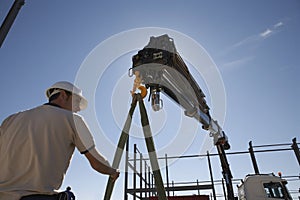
<point>143,91</point>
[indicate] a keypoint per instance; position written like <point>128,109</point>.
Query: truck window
<point>274,190</point>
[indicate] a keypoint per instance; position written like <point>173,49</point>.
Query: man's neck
<point>53,104</point>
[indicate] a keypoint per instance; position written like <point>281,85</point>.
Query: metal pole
<point>224,191</point>
<point>211,176</point>
<point>254,163</point>
<point>151,150</point>
<point>149,181</point>
<point>145,178</point>
<point>197,186</point>
<point>141,174</point>
<point>152,185</point>
<point>134,171</point>
<point>9,19</point>
<point>296,150</point>
<point>167,174</point>
<point>126,170</point>
<point>173,185</point>
<point>226,171</point>
<point>119,151</point>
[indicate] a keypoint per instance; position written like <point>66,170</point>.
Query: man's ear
<point>65,95</point>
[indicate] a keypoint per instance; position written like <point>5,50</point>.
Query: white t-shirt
<point>36,147</point>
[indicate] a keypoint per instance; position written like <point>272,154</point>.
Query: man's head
<point>66,95</point>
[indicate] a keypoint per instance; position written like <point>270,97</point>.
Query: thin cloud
<point>279,24</point>
<point>245,41</point>
<point>250,42</point>
<point>275,28</point>
<point>238,62</point>
<point>266,33</point>
<point>262,35</point>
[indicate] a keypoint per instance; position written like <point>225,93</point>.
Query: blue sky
<point>254,46</point>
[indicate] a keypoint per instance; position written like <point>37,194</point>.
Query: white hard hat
<point>67,86</point>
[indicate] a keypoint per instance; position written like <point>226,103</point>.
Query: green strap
<point>120,148</point>
<point>151,151</point>
<point>150,146</point>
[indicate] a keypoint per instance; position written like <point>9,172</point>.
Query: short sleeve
<point>83,138</point>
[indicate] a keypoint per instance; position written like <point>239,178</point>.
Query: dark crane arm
<point>159,67</point>
<point>162,69</point>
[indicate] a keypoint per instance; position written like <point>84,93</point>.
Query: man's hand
<point>100,164</point>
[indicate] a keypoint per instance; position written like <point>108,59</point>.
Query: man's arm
<point>100,164</point>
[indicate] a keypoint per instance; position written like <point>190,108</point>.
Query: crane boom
<point>162,69</point>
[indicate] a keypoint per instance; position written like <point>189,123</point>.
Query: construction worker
<point>36,146</point>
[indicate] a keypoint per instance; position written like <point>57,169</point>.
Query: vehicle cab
<point>263,187</point>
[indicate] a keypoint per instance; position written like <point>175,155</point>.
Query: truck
<point>263,187</point>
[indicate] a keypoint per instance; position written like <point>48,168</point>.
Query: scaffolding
<point>143,182</point>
